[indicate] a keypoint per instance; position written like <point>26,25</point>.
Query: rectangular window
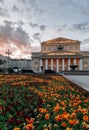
<point>85,65</point>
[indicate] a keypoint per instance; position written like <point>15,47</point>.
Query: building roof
<point>61,40</point>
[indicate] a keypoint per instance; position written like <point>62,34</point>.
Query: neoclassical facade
<point>59,54</point>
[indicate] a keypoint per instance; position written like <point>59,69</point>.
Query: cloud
<point>3,12</point>
<point>85,45</point>
<point>21,36</point>
<point>20,23</point>
<point>32,6</point>
<point>1,1</point>
<point>42,27</point>
<point>81,27</point>
<point>14,8</point>
<point>15,38</point>
<point>61,3</point>
<point>85,41</point>
<point>37,37</point>
<point>83,6</point>
<point>59,29</point>
<point>35,49</point>
<point>33,25</point>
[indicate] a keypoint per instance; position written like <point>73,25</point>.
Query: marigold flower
<point>66,115</point>
<point>16,128</point>
<point>47,116</point>
<point>71,122</point>
<point>46,129</point>
<point>67,128</point>
<point>58,117</point>
<point>73,115</point>
<point>85,118</point>
<point>84,111</point>
<point>43,110</point>
<point>29,126</point>
<point>63,124</point>
<point>56,108</point>
<point>30,121</point>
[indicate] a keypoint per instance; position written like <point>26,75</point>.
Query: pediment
<point>61,40</point>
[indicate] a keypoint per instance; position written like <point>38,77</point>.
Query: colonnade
<point>44,63</point>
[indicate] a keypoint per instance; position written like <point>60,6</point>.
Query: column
<point>63,68</point>
<point>69,64</point>
<point>51,64</point>
<point>80,64</point>
<point>57,63</point>
<point>46,64</point>
<point>74,61</point>
<point>41,65</point>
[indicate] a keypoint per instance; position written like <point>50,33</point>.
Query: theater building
<point>59,54</point>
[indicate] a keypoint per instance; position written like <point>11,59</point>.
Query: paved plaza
<point>81,80</point>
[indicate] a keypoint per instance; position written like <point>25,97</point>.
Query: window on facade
<point>85,64</point>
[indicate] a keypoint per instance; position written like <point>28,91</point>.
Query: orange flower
<point>29,126</point>
<point>56,108</point>
<point>84,111</point>
<point>43,110</point>
<point>58,117</point>
<point>31,121</point>
<point>63,124</point>
<point>73,115</point>
<point>71,122</point>
<point>85,118</point>
<point>16,128</point>
<point>66,115</point>
<point>63,103</point>
<point>45,128</point>
<point>47,116</point>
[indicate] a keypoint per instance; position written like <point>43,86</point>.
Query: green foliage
<point>18,104</point>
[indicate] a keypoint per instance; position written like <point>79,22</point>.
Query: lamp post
<point>8,53</point>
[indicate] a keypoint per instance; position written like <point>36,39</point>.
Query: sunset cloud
<point>24,24</point>
<point>15,38</point>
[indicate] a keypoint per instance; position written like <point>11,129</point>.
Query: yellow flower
<point>67,128</point>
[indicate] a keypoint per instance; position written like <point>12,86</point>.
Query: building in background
<point>20,64</point>
<point>3,62</point>
<point>59,54</point>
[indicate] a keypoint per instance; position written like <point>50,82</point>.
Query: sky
<point>24,24</point>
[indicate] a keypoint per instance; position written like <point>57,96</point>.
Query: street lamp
<point>8,53</point>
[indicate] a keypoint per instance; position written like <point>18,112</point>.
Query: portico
<point>60,64</point>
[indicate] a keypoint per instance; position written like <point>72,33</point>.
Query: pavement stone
<point>81,80</point>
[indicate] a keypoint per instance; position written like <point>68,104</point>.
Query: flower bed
<point>41,103</point>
